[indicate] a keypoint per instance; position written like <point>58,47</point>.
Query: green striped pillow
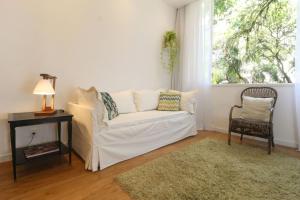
<point>169,101</point>
<point>110,105</point>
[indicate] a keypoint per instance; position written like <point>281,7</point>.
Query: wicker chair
<point>254,127</point>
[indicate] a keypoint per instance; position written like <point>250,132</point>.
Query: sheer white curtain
<point>194,28</point>
<point>297,83</point>
<point>180,26</point>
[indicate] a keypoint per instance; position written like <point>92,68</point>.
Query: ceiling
<point>178,3</point>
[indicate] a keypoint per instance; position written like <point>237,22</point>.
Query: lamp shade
<point>44,87</point>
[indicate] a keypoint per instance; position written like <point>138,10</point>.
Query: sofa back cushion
<point>124,101</point>
<point>256,108</point>
<point>169,101</point>
<point>146,100</point>
<point>188,100</point>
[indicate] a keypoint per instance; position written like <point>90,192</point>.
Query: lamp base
<point>45,113</point>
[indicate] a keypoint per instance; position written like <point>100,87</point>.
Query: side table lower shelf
<point>21,159</point>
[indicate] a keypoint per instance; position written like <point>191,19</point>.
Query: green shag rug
<point>213,170</point>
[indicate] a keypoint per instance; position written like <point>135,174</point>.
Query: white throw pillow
<point>146,100</point>
<point>256,108</point>
<point>188,100</point>
<point>124,101</point>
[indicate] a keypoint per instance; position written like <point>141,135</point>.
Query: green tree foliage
<point>258,44</point>
<point>222,6</point>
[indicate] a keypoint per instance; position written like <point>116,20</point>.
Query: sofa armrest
<point>193,105</point>
<point>86,118</point>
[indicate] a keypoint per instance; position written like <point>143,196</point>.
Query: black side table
<point>28,119</point>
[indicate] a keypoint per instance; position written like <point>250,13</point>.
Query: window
<point>254,41</point>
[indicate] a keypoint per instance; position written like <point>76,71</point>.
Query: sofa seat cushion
<point>144,117</point>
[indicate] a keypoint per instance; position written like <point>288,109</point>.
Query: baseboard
<point>280,142</point>
<point>5,158</point>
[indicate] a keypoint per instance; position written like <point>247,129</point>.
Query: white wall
<point>223,97</point>
<point>111,44</point>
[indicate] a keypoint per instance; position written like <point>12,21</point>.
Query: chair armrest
<point>232,109</point>
<point>86,118</point>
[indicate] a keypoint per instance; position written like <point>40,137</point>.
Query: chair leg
<point>273,143</point>
<point>241,137</point>
<point>229,138</point>
<point>270,145</point>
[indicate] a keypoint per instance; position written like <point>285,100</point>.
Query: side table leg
<point>13,149</point>
<point>70,140</point>
<point>59,135</point>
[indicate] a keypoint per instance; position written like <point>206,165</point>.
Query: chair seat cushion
<point>250,126</point>
<point>152,116</point>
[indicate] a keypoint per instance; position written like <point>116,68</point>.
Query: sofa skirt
<point>112,145</point>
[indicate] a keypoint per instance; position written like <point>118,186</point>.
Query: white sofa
<point>102,144</point>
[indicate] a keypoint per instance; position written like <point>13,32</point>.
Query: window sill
<point>276,85</point>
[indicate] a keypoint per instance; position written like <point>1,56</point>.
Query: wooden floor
<point>55,179</point>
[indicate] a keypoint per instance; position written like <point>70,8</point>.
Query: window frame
<point>255,85</point>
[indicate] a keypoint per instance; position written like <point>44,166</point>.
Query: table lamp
<point>46,87</point>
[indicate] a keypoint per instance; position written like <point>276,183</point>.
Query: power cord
<point>31,140</point>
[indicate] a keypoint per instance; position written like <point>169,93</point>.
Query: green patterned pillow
<point>110,105</point>
<point>169,101</point>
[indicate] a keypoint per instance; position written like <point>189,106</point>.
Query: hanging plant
<point>169,51</point>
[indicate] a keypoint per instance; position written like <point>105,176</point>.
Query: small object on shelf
<point>41,149</point>
<point>46,87</point>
